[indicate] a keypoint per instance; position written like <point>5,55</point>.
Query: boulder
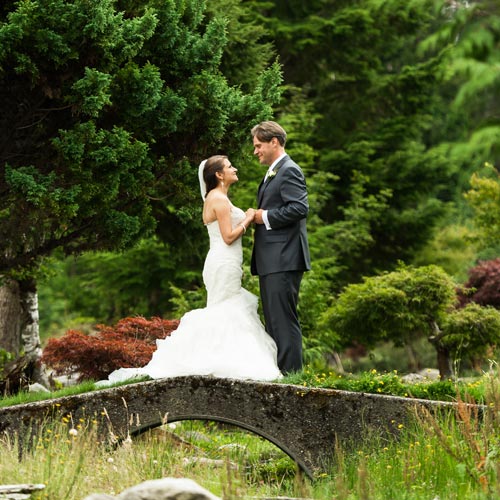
<point>167,488</point>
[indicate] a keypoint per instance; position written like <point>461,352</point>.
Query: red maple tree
<point>129,343</point>
<point>483,285</point>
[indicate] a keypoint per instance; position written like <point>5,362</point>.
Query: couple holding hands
<point>227,338</point>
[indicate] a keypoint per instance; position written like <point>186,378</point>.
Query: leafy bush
<point>129,343</point>
<point>409,304</point>
<point>5,357</point>
<point>483,285</point>
<point>473,331</point>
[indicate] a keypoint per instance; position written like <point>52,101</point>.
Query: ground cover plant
<point>393,384</point>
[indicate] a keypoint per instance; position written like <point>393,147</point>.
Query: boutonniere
<point>271,175</point>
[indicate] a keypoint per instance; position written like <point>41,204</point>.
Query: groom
<point>281,251</point>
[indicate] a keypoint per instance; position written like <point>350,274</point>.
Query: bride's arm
<point>222,210</point>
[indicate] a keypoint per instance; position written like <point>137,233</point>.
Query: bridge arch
<point>244,426</point>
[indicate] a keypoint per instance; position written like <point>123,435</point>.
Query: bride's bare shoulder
<point>215,201</point>
<point>215,198</point>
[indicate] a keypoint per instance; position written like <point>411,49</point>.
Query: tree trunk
<point>413,360</point>
<point>10,315</point>
<point>19,334</point>
<point>443,354</point>
<point>444,363</point>
<point>335,360</point>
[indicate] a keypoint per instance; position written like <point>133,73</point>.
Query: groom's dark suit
<point>280,256</point>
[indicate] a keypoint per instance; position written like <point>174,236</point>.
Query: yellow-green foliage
<point>484,197</point>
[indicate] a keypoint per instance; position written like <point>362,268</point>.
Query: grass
<point>31,397</point>
<point>391,383</point>
<point>226,461</point>
<point>23,397</point>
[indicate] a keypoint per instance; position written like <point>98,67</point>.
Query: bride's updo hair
<point>213,165</point>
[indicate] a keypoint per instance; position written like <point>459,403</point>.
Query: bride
<point>226,338</point>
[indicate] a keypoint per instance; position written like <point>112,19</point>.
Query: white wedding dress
<point>224,339</point>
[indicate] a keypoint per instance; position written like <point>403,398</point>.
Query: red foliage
<point>484,280</point>
<point>129,343</point>
<point>140,328</point>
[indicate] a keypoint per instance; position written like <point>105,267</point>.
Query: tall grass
<point>72,462</point>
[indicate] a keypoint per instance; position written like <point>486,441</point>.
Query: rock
<point>36,387</point>
<point>19,491</point>
<point>167,488</point>
<point>197,436</point>
<point>423,376</point>
<point>66,380</point>
<point>232,446</point>
<point>430,373</point>
<point>413,378</point>
<point>209,462</point>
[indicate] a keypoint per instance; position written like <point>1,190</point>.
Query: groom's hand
<point>258,216</point>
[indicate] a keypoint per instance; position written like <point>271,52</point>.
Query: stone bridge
<point>304,422</point>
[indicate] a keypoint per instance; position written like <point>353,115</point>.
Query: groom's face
<point>267,152</point>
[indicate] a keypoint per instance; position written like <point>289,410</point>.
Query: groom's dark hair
<point>265,131</point>
<point>213,164</point>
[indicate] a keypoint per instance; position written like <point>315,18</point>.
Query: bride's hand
<point>250,213</point>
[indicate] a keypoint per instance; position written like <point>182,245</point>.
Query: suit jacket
<point>285,246</point>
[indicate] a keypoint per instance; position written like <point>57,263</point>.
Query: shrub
<point>483,285</point>
<point>129,343</point>
<point>412,303</point>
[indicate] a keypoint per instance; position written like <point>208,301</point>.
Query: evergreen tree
<point>105,108</point>
<point>375,97</point>
<point>469,126</point>
<point>470,43</point>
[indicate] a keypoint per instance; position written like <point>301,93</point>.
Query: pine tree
<point>106,107</point>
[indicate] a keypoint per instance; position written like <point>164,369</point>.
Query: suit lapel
<point>263,185</point>
<point>260,192</point>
